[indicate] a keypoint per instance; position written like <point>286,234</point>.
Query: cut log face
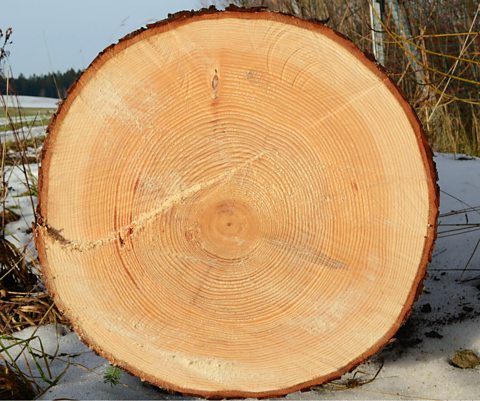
<point>236,204</point>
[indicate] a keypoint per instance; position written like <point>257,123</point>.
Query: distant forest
<point>50,85</point>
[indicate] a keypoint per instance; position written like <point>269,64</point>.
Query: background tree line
<point>430,49</point>
<point>48,85</point>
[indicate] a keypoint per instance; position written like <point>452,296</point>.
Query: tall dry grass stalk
<point>23,299</point>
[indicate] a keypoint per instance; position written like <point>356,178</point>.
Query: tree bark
<point>309,9</point>
<point>235,204</point>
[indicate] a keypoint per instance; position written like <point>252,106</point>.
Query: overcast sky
<point>55,35</point>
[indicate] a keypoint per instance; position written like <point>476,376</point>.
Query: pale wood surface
<point>236,204</point>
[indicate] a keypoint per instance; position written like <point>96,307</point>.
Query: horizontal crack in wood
<point>144,219</point>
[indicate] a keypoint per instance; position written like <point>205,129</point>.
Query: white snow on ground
<point>18,232</point>
<point>23,133</point>
<point>416,365</point>
<point>30,102</point>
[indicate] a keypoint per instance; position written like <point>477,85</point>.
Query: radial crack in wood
<point>235,204</point>
<point>145,218</point>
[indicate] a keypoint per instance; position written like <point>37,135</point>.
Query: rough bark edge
<point>184,17</point>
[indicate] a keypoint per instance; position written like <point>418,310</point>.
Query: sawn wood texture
<point>236,204</point>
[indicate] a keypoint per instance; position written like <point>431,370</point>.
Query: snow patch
<point>416,364</point>
<point>30,102</point>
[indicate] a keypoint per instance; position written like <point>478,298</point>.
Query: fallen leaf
<point>465,359</point>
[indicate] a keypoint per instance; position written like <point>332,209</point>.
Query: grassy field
<point>26,112</point>
<point>15,118</point>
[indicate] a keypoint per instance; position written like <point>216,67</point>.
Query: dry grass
<point>14,386</point>
<point>8,216</point>
<point>16,151</point>
<point>433,56</point>
<point>19,310</point>
<point>23,300</point>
